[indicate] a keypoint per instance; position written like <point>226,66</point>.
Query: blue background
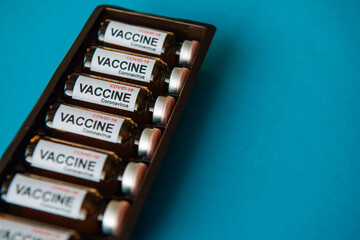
<point>267,147</point>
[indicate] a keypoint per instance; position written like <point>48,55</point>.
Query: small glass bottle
<point>84,165</point>
<point>12,228</point>
<point>151,41</point>
<point>118,98</point>
<point>116,133</point>
<point>63,204</point>
<point>133,68</point>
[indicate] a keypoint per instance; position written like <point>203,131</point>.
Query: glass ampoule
<point>16,228</point>
<point>83,165</point>
<point>102,130</point>
<point>60,203</point>
<point>118,98</point>
<point>137,69</point>
<point>149,41</point>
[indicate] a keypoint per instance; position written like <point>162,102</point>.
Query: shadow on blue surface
<point>179,157</point>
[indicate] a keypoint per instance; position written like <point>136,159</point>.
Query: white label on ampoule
<point>122,65</point>
<point>11,230</point>
<point>45,196</point>
<point>87,123</point>
<point>77,162</point>
<point>143,39</point>
<point>105,93</point>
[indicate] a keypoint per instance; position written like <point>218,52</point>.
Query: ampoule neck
<point>178,49</point>
<point>151,104</point>
<point>136,136</point>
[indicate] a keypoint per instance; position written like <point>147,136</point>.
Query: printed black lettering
<point>91,166</point>
<point>19,188</point>
<point>100,126</point>
<point>154,42</point>
<point>45,196</point>
<point>43,154</point>
<point>109,128</point>
<point>128,35</point>
<point>143,69</point>
<point>136,37</point>
<point>100,61</point>
<point>67,119</point>
<point>82,89</point>
<point>115,63</point>
<point>98,91</point>
<point>114,31</point>
<point>70,201</point>
<point>123,65</point>
<point>82,163</point>
<point>36,193</point>
<point>134,67</point>
<point>63,118</point>
<point>79,120</point>
<point>120,34</point>
<point>107,62</point>
<point>105,93</point>
<point>127,97</point>
<point>89,90</point>
<point>118,96</point>
<point>27,192</point>
<point>147,40</point>
<point>68,159</point>
<point>88,123</point>
<point>59,158</point>
<point>7,234</point>
<point>57,198</point>
<point>51,156</point>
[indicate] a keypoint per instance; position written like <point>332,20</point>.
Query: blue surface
<point>267,147</point>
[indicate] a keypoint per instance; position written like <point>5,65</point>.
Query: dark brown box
<point>72,62</point>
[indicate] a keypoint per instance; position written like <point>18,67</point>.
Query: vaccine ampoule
<point>118,98</point>
<point>133,68</point>
<point>148,40</point>
<point>102,130</point>
<point>60,203</point>
<point>16,228</point>
<point>83,165</point>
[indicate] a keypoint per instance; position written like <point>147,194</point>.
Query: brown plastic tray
<point>72,62</point>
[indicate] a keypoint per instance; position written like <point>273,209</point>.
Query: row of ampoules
<point>15,228</point>
<point>67,183</point>
<point>151,70</point>
<point>71,185</point>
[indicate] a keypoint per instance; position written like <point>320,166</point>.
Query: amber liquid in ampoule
<point>146,40</point>
<point>83,165</point>
<point>118,98</point>
<point>137,69</point>
<point>102,130</point>
<point>56,202</point>
<point>13,228</point>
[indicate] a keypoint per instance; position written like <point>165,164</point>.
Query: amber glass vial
<point>102,130</point>
<point>15,228</point>
<point>87,166</point>
<point>67,205</point>
<point>133,68</point>
<point>118,98</point>
<point>148,40</point>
